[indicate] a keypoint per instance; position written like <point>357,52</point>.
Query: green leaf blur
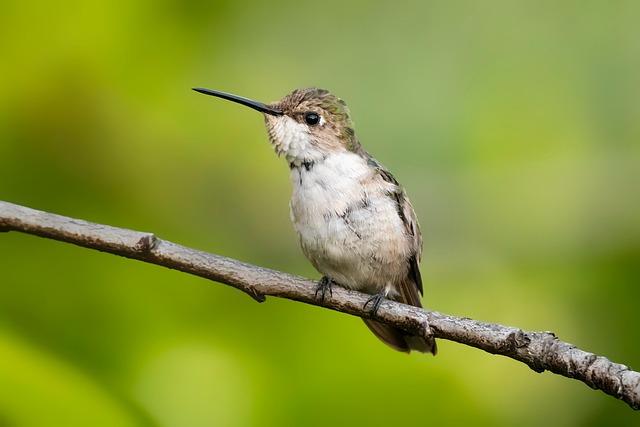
<point>514,126</point>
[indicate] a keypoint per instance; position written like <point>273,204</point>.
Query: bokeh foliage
<point>513,125</point>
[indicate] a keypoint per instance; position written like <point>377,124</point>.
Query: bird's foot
<point>375,302</point>
<point>325,284</point>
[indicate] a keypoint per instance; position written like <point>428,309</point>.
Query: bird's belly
<point>358,240</point>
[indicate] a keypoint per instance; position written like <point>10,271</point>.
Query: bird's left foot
<point>375,302</point>
<point>325,284</point>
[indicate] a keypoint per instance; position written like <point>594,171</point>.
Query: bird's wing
<point>406,213</point>
<point>410,288</point>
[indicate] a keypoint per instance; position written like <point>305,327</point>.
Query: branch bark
<point>539,350</point>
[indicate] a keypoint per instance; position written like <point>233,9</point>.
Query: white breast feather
<point>360,244</point>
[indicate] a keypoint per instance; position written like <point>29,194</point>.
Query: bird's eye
<point>311,118</point>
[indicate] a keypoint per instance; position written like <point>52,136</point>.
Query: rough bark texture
<point>539,350</point>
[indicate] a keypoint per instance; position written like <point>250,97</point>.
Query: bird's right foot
<point>375,302</point>
<point>324,285</point>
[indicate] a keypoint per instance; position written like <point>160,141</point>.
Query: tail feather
<point>393,337</point>
<point>399,340</point>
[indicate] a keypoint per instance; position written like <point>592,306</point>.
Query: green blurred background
<point>514,126</point>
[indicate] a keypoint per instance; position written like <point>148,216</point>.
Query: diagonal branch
<point>539,350</point>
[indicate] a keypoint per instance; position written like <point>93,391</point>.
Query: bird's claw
<point>325,284</point>
<point>375,302</point>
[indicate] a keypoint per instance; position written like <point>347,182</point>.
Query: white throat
<point>294,141</point>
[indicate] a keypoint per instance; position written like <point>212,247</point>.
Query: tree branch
<point>539,350</point>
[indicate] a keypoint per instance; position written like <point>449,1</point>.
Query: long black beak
<point>263,108</point>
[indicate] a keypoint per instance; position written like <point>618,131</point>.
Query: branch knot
<point>146,243</point>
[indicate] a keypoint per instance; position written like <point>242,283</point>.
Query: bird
<point>354,221</point>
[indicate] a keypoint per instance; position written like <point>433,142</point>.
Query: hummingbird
<point>354,220</point>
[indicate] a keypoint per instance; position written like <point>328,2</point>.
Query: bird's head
<point>307,125</point>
